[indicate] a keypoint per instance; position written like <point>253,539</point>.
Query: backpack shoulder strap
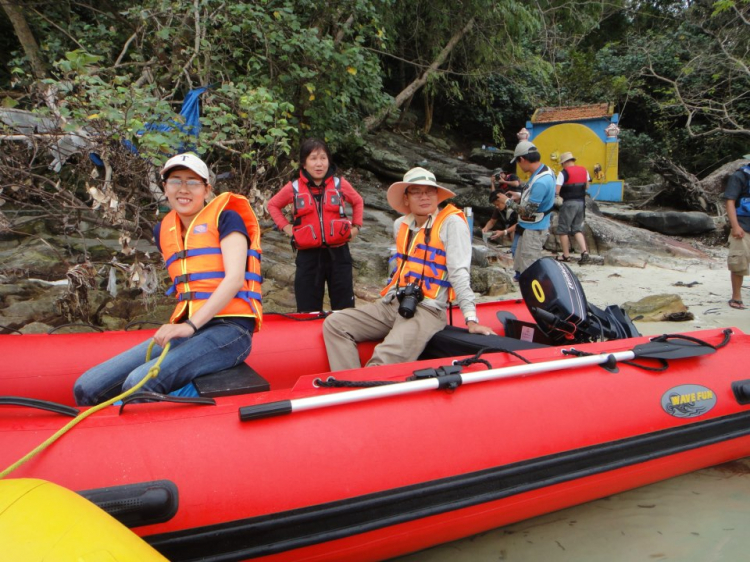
<point>337,187</point>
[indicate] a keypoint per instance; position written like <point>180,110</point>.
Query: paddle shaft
<point>282,407</point>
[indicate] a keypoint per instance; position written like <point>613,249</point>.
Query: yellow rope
<point>153,372</point>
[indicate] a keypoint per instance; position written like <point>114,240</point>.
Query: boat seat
<point>242,379</point>
<point>452,341</point>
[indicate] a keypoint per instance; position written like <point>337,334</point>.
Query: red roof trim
<point>572,113</point>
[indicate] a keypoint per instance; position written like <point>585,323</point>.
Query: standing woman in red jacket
<point>321,230</point>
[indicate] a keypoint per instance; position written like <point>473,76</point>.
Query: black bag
<point>555,298</point>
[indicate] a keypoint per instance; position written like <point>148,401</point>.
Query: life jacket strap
<point>182,254</point>
<point>429,281</point>
<point>188,277</point>
<point>199,295</point>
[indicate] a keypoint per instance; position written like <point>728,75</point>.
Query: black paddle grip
<point>271,409</point>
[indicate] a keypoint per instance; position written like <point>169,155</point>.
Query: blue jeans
<point>220,345</point>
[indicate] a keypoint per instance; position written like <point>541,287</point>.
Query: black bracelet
<point>190,323</point>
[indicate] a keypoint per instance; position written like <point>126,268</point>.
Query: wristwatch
<point>472,319</point>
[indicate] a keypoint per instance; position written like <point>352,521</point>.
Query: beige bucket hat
<point>565,156</point>
<point>415,176</point>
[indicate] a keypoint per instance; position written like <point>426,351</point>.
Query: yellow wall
<point>585,145</point>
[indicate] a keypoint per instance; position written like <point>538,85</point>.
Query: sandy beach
<point>698,517</point>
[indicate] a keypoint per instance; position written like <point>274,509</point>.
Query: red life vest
<point>319,222</point>
<point>196,266</point>
<point>423,262</point>
<point>575,186</point>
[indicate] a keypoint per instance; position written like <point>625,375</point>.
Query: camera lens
<point>409,297</point>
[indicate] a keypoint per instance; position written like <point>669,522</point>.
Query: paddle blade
<point>678,349</point>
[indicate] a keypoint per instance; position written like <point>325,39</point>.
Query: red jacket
<point>318,221</point>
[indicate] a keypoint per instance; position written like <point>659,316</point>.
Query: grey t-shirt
<point>738,184</point>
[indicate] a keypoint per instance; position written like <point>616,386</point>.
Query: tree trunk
<point>681,188</point>
<point>429,104</point>
<point>374,121</point>
<point>26,38</point>
<point>401,117</point>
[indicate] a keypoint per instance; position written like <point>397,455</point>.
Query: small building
<point>590,133</point>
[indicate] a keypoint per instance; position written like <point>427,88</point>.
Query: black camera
<point>497,175</point>
<point>408,299</point>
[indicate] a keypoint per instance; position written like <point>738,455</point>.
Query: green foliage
<point>282,70</point>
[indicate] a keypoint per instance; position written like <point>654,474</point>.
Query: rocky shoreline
<point>51,277</point>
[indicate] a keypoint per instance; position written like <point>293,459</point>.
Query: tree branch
<point>374,121</point>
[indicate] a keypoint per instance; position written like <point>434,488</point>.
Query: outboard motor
<point>555,298</point>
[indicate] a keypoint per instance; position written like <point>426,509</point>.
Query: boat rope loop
<point>477,357</point>
<point>332,382</point>
<point>666,337</point>
<point>153,372</point>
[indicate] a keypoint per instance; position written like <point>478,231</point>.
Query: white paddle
<point>451,377</point>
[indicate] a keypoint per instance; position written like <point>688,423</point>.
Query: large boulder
<point>491,157</point>
<point>604,234</point>
<point>675,223</point>
<point>656,308</point>
<point>716,182</point>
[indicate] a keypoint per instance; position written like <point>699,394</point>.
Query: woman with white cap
<point>212,252</point>
<point>432,268</point>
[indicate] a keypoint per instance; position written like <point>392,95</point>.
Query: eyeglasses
<point>192,184</point>
<point>429,192</point>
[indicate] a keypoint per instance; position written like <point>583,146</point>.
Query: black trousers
<point>320,266</point>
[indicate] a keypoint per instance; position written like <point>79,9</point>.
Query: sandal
<point>734,303</point>
<point>585,258</point>
<point>562,258</point>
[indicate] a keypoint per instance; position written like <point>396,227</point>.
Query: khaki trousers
<point>530,248</point>
<point>403,338</point>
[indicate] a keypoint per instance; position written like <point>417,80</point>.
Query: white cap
<point>189,161</point>
<point>523,148</point>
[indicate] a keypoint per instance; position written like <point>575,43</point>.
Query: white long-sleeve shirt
<point>454,235</point>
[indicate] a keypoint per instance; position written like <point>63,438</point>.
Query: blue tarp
<point>190,124</point>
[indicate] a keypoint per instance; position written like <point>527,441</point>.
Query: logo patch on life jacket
<point>688,400</point>
<point>201,229</point>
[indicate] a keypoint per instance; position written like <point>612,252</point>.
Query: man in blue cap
<point>533,205</point>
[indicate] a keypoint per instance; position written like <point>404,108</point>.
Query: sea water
<point>703,516</point>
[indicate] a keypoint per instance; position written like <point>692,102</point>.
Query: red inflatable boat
<point>300,471</point>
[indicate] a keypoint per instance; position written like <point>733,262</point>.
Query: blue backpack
<point>743,203</point>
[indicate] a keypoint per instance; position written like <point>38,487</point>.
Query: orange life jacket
<point>196,266</point>
<point>323,224</point>
<point>422,262</point>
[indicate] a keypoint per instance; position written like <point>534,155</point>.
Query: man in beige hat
<point>432,268</point>
<point>572,183</point>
